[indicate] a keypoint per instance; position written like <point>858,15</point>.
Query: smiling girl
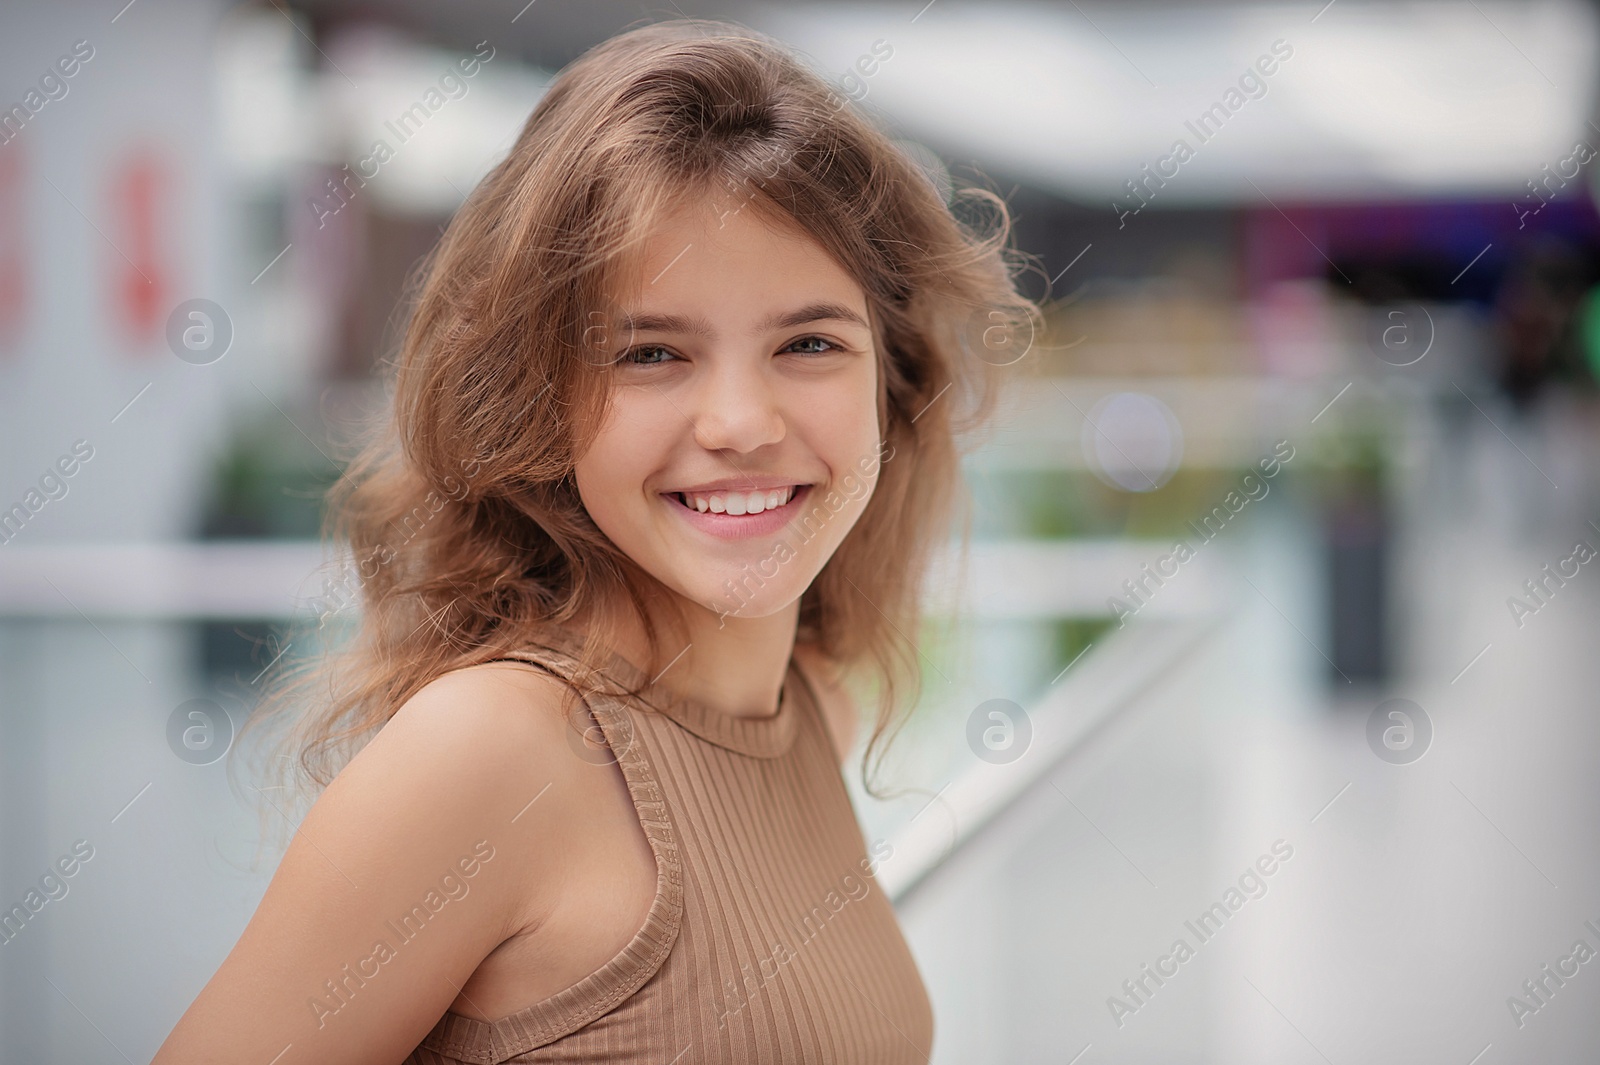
<point>674,431</point>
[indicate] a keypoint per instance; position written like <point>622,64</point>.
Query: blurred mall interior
<point>1279,546</point>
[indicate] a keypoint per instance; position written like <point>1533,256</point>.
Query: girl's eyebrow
<point>677,323</point>
<point>815,312</point>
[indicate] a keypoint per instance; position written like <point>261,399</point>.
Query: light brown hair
<point>502,375</point>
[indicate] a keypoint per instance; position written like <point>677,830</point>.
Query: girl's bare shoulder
<point>500,734</point>
<point>457,814</point>
<point>465,756</point>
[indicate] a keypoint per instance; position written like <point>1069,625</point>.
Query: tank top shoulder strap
<point>472,1040</point>
<point>549,659</point>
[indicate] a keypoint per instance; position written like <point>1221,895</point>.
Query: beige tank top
<point>768,938</point>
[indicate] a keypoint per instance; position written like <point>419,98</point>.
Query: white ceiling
<point>1387,100</point>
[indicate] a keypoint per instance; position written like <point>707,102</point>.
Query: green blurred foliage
<point>268,482</point>
<point>1064,504</point>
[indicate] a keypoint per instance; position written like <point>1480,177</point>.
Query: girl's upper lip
<point>738,484</point>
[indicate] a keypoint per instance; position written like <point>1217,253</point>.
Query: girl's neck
<point>732,665</point>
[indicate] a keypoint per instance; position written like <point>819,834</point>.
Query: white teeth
<point>739,502</point>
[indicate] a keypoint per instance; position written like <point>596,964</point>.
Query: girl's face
<point>741,443</point>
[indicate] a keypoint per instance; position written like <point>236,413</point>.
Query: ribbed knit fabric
<point>768,939</point>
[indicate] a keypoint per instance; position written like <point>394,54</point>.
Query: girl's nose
<point>737,409</point>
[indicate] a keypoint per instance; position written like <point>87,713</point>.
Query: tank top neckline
<point>742,845</point>
<point>469,1039</point>
<point>758,737</point>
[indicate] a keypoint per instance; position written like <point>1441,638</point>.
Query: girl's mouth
<point>737,502</point>
<point>734,514</point>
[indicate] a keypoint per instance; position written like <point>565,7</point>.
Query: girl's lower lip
<point>740,526</point>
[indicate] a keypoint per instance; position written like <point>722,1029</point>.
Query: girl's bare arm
<point>404,875</point>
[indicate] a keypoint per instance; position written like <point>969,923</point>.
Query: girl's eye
<point>823,350</point>
<point>647,355</point>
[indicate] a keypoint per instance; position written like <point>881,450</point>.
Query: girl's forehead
<point>698,252</point>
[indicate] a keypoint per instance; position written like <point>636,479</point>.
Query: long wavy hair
<point>460,508</point>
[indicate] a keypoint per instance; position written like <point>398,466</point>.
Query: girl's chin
<point>741,596</point>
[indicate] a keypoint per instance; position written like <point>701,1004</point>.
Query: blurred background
<point>1281,546</point>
